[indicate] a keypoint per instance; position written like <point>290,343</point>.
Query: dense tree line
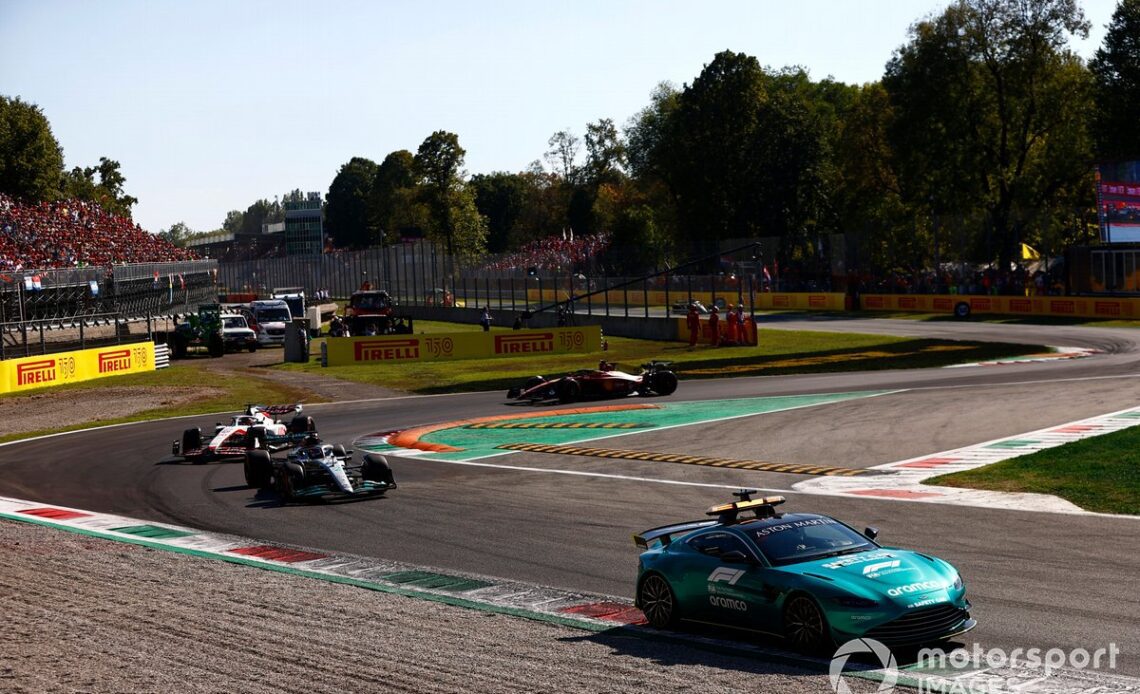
<point>981,135</point>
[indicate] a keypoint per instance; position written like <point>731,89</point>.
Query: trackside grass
<point>779,352</point>
<point>1101,473</point>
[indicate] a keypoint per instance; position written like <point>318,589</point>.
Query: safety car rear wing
<point>667,533</point>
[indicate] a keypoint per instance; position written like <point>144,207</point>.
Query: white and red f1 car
<point>257,428</point>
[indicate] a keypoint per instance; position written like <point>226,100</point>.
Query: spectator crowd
<point>75,233</point>
<point>553,253</point>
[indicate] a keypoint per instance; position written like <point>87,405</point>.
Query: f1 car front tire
<point>258,468</point>
<point>255,438</point>
<point>658,602</point>
<point>376,469</point>
<point>192,441</point>
<point>663,382</point>
<point>569,390</point>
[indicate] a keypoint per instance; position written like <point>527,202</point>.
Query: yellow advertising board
<point>1075,306</point>
<point>402,349</point>
<point>62,368</point>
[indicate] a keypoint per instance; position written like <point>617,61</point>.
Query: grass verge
<point>1101,473</point>
<point>780,352</point>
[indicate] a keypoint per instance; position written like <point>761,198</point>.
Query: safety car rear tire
<point>258,468</point>
<point>658,601</point>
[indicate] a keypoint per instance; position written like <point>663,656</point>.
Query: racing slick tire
<point>339,451</point>
<point>657,600</point>
<point>805,627</point>
<point>258,469</point>
<point>288,479</point>
<point>569,390</point>
<point>302,424</point>
<point>376,469</point>
<point>663,382</point>
<point>192,440</point>
<point>255,438</point>
<point>961,310</point>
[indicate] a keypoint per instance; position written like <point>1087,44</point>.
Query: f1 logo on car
<point>118,360</point>
<point>524,344</point>
<point>35,372</point>
<point>729,576</point>
<point>386,350</point>
<point>873,570</point>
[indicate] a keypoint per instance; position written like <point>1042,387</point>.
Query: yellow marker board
<point>62,368</point>
<point>401,349</point>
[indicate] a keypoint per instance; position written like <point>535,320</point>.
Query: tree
<point>605,153</point>
<point>107,192</point>
<point>438,163</point>
<point>233,222</point>
<point>562,155</point>
<point>389,200</point>
<point>31,160</point>
<point>177,234</point>
<point>990,111</point>
<point>501,198</point>
<point>346,206</point>
<point>646,131</point>
<point>1116,79</point>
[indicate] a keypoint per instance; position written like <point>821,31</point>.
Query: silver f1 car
<point>256,428</point>
<point>317,470</point>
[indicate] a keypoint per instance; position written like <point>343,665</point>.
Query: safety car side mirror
<point>871,533</point>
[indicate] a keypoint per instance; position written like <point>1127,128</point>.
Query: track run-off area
<point>539,496</point>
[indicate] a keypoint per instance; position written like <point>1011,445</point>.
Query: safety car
<point>805,577</point>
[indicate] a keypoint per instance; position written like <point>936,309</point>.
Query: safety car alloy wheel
<point>657,602</point>
<point>804,627</point>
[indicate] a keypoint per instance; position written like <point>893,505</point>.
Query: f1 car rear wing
<point>273,410</point>
<point>667,533</point>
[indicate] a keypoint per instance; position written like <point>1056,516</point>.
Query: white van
<point>272,315</point>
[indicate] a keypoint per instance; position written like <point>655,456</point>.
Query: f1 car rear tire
<point>192,440</point>
<point>302,424</point>
<point>569,390</point>
<point>339,451</point>
<point>657,601</point>
<point>376,469</point>
<point>805,627</point>
<point>258,469</point>
<point>255,438</point>
<point>663,382</point>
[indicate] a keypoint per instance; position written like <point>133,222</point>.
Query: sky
<point>211,105</point>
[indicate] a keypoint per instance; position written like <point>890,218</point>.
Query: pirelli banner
<point>401,349</point>
<point>1074,306</point>
<point>27,373</point>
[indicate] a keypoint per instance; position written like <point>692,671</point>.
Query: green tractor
<point>201,332</point>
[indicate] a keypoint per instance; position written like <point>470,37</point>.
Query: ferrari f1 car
<point>256,428</point>
<point>603,382</point>
<point>316,470</point>
<point>806,577</point>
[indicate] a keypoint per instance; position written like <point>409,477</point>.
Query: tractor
<point>199,332</point>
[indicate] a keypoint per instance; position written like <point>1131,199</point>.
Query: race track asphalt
<point>1035,579</point>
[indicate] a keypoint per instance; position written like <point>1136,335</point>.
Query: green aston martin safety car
<point>802,576</point>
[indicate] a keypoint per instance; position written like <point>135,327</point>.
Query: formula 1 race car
<point>256,428</point>
<point>806,577</point>
<point>603,382</point>
<point>317,470</point>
